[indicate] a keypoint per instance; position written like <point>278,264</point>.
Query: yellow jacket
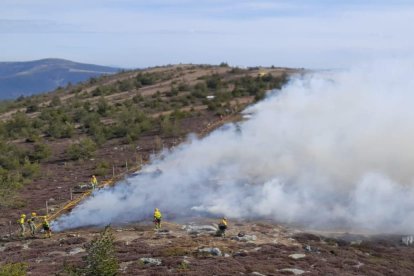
<point>94,180</point>
<point>223,222</point>
<point>157,214</point>
<point>21,221</point>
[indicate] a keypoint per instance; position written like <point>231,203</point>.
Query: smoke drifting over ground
<point>329,150</point>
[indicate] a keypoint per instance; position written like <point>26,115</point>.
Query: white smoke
<point>332,149</point>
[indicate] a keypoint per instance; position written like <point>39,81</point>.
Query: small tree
<point>83,150</point>
<point>101,259</point>
<point>41,151</point>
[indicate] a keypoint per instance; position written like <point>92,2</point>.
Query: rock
<point>297,256</point>
<point>407,240</point>
<point>200,229</point>
<point>186,261</point>
<point>124,265</point>
<point>241,253</point>
<point>151,261</point>
<point>26,246</point>
<point>244,238</point>
<point>312,249</point>
<point>295,271</point>
<point>226,255</point>
<point>357,242</point>
<point>257,274</point>
<point>76,250</point>
<point>211,250</point>
<point>358,265</point>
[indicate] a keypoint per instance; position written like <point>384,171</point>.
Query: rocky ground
<point>249,248</point>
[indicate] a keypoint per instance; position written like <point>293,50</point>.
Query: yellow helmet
<point>33,214</point>
<point>23,216</point>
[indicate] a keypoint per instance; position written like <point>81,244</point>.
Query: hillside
<point>65,136</point>
<point>33,77</point>
<point>110,126</point>
<point>50,143</point>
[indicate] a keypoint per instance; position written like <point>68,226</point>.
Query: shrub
<point>9,183</point>
<point>41,151</point>
<point>13,269</point>
<point>55,101</point>
<point>30,170</point>
<point>103,107</point>
<point>101,259</point>
<point>33,107</point>
<point>60,130</point>
<point>101,168</point>
<point>84,149</point>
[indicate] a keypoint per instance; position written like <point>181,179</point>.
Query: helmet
<point>224,218</point>
<point>23,216</point>
<point>156,209</point>
<point>33,214</point>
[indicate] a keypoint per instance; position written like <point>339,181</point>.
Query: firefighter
<point>222,227</point>
<point>94,182</point>
<point>46,228</point>
<point>21,224</point>
<point>32,225</point>
<point>157,218</point>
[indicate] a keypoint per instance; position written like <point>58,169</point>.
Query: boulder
<point>151,261</point>
<point>294,271</point>
<point>76,250</point>
<point>200,229</point>
<point>297,256</point>
<point>211,250</point>
<point>244,238</point>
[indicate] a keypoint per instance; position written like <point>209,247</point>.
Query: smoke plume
<point>332,149</point>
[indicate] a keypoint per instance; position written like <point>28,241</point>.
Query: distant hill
<point>34,77</point>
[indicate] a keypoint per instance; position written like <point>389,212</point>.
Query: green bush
<point>30,170</point>
<point>10,182</point>
<point>13,269</point>
<point>41,151</point>
<point>101,168</point>
<point>84,149</point>
<point>101,259</point>
<point>103,107</point>
<point>60,130</point>
<point>55,101</point>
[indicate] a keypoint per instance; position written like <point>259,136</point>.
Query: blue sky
<point>136,33</point>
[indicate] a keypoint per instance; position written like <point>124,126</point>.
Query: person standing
<point>222,227</point>
<point>157,218</point>
<point>21,222</point>
<point>32,225</point>
<point>94,182</point>
<point>46,228</point>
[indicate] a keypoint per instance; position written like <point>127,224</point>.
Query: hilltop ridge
<point>32,77</point>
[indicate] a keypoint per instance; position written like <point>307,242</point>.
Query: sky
<point>316,34</point>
